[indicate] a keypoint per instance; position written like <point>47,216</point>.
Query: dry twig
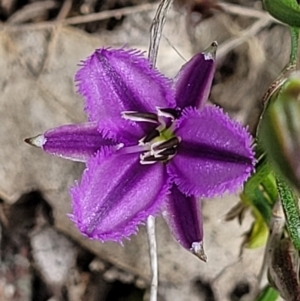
<point>64,11</point>
<point>86,18</point>
<point>31,11</point>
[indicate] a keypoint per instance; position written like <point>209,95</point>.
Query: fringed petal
<point>193,82</point>
<point>117,80</point>
<point>116,194</point>
<point>124,131</point>
<point>183,215</point>
<point>214,155</point>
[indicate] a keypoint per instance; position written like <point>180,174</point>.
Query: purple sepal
<point>75,141</point>
<point>116,194</point>
<point>214,156</point>
<point>116,80</point>
<point>183,215</point>
<point>194,80</point>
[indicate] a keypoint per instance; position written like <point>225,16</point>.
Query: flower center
<point>160,144</point>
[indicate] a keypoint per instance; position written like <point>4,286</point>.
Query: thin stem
<point>294,45</point>
<point>156,29</point>
<point>153,257</point>
<point>155,37</point>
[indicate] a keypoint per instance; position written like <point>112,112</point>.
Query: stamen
<point>168,112</point>
<point>168,152</point>
<point>152,159</point>
<point>133,149</point>
<point>140,116</point>
<point>154,150</point>
<point>173,142</point>
<point>153,134</point>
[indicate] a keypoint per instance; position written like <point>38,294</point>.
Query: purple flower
<point>151,145</point>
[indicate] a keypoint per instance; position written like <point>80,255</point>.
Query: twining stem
<point>155,36</point>
<point>289,67</point>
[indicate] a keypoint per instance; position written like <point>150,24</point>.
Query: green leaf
<point>279,129</point>
<point>286,11</point>
<point>268,294</point>
<point>259,232</point>
<point>255,195</point>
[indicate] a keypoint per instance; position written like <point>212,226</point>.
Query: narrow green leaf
<point>268,294</point>
<point>254,195</point>
<point>270,187</point>
<point>259,232</point>
<point>291,210</point>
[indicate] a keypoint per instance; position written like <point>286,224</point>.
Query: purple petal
<point>214,155</point>
<point>75,141</point>
<point>117,80</point>
<point>116,194</point>
<point>123,131</point>
<point>193,82</point>
<point>183,215</point>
